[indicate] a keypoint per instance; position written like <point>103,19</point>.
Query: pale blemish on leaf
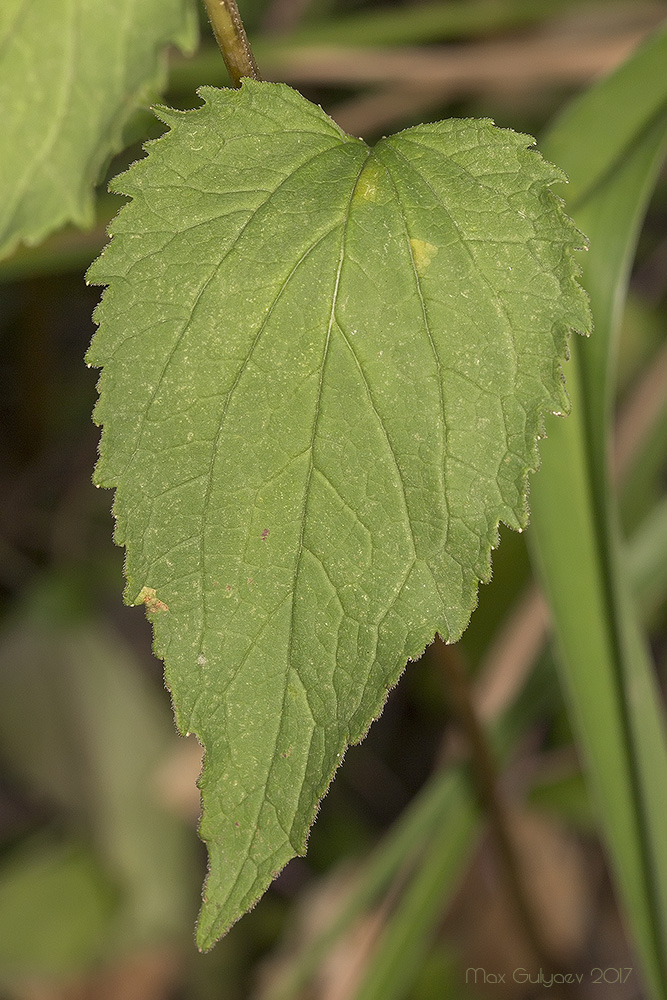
<point>368,185</point>
<point>423,253</point>
<point>148,596</point>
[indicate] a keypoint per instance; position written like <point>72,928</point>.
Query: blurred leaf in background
<point>86,734</point>
<point>71,76</point>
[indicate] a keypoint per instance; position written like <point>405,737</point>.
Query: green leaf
<point>325,368</point>
<point>56,906</point>
<point>71,75</point>
<point>85,732</point>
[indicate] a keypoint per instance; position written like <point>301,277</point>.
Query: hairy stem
<point>232,40</point>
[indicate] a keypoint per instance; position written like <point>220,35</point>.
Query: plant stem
<point>232,40</point>
<point>484,770</point>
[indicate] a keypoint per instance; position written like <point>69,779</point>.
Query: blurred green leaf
<point>84,731</point>
<point>647,557</point>
<point>566,797</point>
<point>71,75</point>
<point>56,907</point>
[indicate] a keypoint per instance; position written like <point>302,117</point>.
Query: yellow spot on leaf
<point>148,596</point>
<point>422,254</point>
<point>368,185</point>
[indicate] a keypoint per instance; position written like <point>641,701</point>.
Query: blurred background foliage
<point>402,889</point>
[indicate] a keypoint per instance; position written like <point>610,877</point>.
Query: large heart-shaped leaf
<point>325,370</point>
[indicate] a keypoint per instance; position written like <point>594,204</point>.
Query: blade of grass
<point>647,557</point>
<point>408,935</point>
<point>611,143</point>
<point>411,928</point>
<point>446,803</point>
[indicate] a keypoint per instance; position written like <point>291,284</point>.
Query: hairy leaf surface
<point>71,74</point>
<point>325,369</point>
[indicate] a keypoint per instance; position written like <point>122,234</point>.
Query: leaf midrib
<point>297,567</point>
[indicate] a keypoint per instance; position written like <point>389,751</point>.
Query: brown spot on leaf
<point>149,598</point>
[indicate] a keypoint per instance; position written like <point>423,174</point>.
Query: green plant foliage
<point>325,370</point>
<point>85,731</point>
<point>71,75</point>
<point>613,142</point>
<point>55,908</point>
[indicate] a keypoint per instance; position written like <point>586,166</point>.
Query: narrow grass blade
<point>611,143</point>
<point>647,557</point>
<point>409,934</point>
<point>445,804</point>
